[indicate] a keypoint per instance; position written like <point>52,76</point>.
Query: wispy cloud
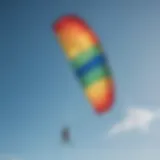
<point>135,119</point>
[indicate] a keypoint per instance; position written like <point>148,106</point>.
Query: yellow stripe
<point>99,90</point>
<point>75,43</point>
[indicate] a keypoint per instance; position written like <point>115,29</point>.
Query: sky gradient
<point>39,94</point>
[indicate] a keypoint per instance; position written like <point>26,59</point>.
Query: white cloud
<point>135,119</point>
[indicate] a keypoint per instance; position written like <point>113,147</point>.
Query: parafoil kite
<point>86,56</point>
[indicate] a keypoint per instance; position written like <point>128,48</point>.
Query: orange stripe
<point>75,35</point>
<point>75,40</point>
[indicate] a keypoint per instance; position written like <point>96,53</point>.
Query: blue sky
<point>39,94</point>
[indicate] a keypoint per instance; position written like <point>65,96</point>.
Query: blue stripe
<point>96,61</point>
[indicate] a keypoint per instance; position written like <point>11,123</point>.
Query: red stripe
<point>72,20</point>
<point>65,20</point>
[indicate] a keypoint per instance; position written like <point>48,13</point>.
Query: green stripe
<point>95,75</point>
<point>84,57</point>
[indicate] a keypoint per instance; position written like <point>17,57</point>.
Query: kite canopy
<point>84,52</point>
